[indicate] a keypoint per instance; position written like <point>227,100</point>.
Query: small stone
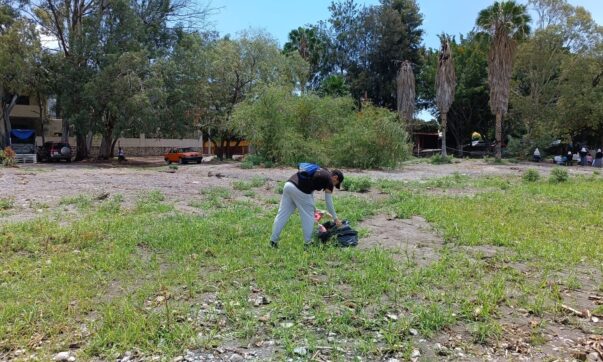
<point>393,360</point>
<point>413,331</point>
<point>415,354</point>
<point>392,317</point>
<point>595,319</point>
<point>61,356</point>
<point>593,357</point>
<point>236,358</point>
<point>330,339</point>
<point>178,359</point>
<point>71,359</point>
<point>287,325</point>
<point>300,351</point>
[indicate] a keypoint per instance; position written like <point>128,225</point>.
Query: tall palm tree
<point>505,23</point>
<point>445,85</point>
<point>405,84</point>
<point>307,42</point>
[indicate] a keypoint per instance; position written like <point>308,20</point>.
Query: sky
<point>278,17</point>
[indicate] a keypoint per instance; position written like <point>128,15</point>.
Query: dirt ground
<point>39,187</point>
<point>34,187</point>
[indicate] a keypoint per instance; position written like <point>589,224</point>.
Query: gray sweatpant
<point>293,198</point>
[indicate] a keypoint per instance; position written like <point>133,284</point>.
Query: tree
<point>406,93</point>
<point>335,86</point>
<point>505,23</point>
<point>236,68</point>
<point>19,47</point>
<point>90,34</point>
<point>469,112</point>
<point>566,36</point>
<point>367,45</point>
<point>307,42</point>
<point>445,85</point>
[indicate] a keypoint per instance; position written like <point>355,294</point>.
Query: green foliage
<point>558,175</point>
<point>248,185</point>
<point>356,184</point>
<point>247,165</point>
<point>334,86</point>
<point>531,175</point>
<point>440,160</point>
<point>469,112</point>
<point>486,332</point>
<point>20,49</point>
<point>6,204</point>
<point>291,129</point>
<point>374,137</point>
<point>366,42</point>
<point>80,201</point>
<point>257,160</point>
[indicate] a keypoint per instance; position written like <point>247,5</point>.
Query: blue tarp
<point>23,134</point>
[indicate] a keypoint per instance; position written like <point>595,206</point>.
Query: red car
<point>182,155</point>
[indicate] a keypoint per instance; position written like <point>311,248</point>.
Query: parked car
<point>182,155</point>
<point>54,151</point>
<point>480,149</point>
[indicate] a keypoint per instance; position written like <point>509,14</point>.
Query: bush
<point>246,165</point>
<point>254,160</point>
<point>288,129</point>
<point>6,204</point>
<point>531,175</point>
<point>440,160</point>
<point>7,157</point>
<point>558,175</point>
<point>356,184</point>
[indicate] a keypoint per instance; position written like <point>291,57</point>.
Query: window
<point>23,100</point>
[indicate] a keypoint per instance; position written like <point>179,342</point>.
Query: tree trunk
<point>444,130</point>
<point>112,153</point>
<point>42,114</point>
<point>228,150</point>
<point>89,137</point>
<point>105,147</point>
<point>65,131</point>
<point>498,136</point>
<point>82,152</point>
<point>6,125</point>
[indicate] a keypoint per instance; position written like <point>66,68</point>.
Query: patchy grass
<point>356,184</point>
<point>248,185</point>
<point>6,204</point>
<point>80,201</point>
<point>116,280</point>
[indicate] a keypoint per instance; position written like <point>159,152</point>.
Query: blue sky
<point>278,17</point>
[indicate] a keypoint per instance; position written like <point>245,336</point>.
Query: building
<point>26,115</point>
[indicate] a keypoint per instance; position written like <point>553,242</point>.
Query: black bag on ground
<point>345,235</point>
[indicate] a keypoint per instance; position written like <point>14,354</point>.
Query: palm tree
<point>505,23</point>
<point>445,85</point>
<point>405,84</point>
<point>307,42</point>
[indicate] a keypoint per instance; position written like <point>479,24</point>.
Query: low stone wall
<point>143,146</point>
<point>135,151</point>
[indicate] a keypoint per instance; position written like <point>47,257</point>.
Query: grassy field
<point>157,281</point>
